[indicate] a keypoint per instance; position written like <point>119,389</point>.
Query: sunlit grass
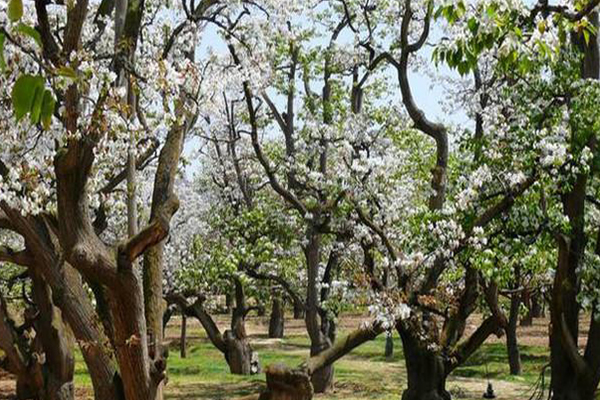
<point>364,374</point>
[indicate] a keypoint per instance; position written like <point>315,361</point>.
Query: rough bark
<point>238,354</point>
<point>43,365</point>
<point>425,369</point>
<point>284,383</point>
<point>153,264</point>
<point>56,343</point>
<point>276,322</point>
<point>69,295</point>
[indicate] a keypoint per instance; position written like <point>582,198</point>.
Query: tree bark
<point>228,303</point>
<point>574,377</point>
<point>298,311</point>
<point>425,370</point>
<point>238,354</point>
<point>537,306</point>
<point>233,343</point>
<point>69,295</point>
<point>512,346</point>
<point>389,346</point>
<point>55,342</point>
<point>284,383</point>
<point>527,320</point>
<point>322,379</point>
<point>276,322</point>
<point>183,337</point>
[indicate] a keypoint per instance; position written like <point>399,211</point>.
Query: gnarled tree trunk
<point>322,379</point>
<point>55,342</point>
<point>276,322</point>
<point>69,295</point>
<point>574,377</point>
<point>425,369</point>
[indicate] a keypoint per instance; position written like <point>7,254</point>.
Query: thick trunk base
<point>276,322</point>
<point>240,357</point>
<point>425,369</point>
<point>284,383</point>
<point>322,379</point>
<point>51,390</point>
<point>514,356</point>
<point>570,390</point>
<point>298,312</point>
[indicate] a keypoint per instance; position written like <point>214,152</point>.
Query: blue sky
<point>426,94</point>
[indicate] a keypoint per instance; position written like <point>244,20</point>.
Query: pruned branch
<point>344,346</point>
<point>157,230</point>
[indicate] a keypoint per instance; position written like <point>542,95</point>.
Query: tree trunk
<point>69,295</point>
<point>322,379</point>
<point>512,347</point>
<point>284,383</point>
<point>141,376</point>
<point>537,307</point>
<point>298,311</point>
<point>389,346</point>
<point>183,337</point>
<point>572,377</point>
<point>261,310</point>
<point>55,342</point>
<point>239,354</point>
<point>276,323</point>
<point>425,370</point>
<point>527,320</point>
<point>228,303</point>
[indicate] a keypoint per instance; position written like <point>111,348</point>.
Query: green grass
<point>363,374</point>
<point>491,361</point>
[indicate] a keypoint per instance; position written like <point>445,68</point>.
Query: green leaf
<point>66,72</point>
<point>586,36</point>
<point>2,61</point>
<point>31,32</point>
<point>473,25</point>
<point>23,94</point>
<point>15,10</point>
<point>48,104</point>
<point>36,106</point>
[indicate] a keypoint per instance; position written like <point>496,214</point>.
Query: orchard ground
<point>363,374</point>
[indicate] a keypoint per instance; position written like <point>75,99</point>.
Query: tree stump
<point>284,383</point>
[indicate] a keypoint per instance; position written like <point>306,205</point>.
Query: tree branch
<point>157,230</point>
<point>344,346</point>
<point>21,258</point>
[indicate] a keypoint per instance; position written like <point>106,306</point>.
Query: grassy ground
<point>364,374</point>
